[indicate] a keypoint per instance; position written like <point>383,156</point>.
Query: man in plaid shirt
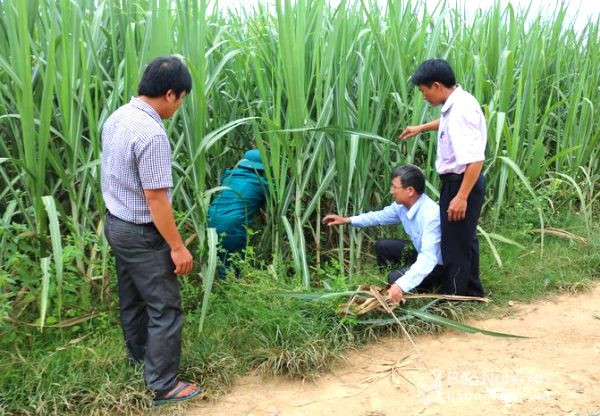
<point>140,226</point>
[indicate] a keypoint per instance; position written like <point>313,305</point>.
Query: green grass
<point>84,371</point>
<point>44,374</point>
<point>567,267</point>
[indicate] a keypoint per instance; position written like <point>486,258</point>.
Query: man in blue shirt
<point>233,209</point>
<point>420,217</point>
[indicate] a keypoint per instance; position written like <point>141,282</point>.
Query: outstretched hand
<point>333,219</point>
<point>409,132</point>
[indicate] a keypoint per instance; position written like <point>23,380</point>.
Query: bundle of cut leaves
<point>368,298</point>
<point>372,298</point>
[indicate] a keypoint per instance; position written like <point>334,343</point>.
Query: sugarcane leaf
<point>45,265</point>
<point>385,321</point>
<point>317,296</point>
<point>209,273</point>
<point>449,323</point>
<point>55,238</point>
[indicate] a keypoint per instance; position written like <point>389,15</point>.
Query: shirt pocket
<point>444,147</point>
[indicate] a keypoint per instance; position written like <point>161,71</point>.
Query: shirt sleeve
<point>386,216</point>
<point>468,133</point>
<point>153,157</point>
<point>426,258</point>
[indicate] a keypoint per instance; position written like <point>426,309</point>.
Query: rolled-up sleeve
<point>387,216</point>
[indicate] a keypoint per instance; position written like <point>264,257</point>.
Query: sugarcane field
<point>299,207</point>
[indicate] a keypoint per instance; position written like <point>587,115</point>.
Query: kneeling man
<point>420,217</point>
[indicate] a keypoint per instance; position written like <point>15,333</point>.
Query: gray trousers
<point>149,300</point>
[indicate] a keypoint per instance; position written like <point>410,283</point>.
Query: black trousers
<point>460,246</point>
<point>399,253</point>
<point>149,300</point>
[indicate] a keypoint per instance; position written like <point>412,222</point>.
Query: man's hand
<point>409,132</point>
<point>395,293</point>
<point>412,131</point>
<point>183,260</point>
<point>457,208</point>
<point>333,219</point>
<point>162,216</point>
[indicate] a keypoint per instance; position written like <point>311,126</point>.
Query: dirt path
<point>556,372</point>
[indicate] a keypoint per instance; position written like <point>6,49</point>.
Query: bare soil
<point>554,372</point>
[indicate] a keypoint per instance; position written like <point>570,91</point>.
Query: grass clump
<point>273,334</point>
<point>80,376</point>
<point>566,267</point>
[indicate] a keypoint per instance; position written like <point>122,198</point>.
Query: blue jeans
<point>149,300</point>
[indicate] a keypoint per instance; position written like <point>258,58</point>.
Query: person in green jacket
<point>233,209</point>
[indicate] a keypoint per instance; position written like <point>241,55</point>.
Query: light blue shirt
<point>422,224</point>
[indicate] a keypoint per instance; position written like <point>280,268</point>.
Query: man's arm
<point>162,216</point>
<point>425,263</point>
<point>412,131</point>
<point>458,206</point>
<point>387,216</point>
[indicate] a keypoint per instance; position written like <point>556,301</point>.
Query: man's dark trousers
<point>395,253</point>
<point>149,300</point>
<point>460,246</point>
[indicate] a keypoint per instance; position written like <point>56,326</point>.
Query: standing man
<point>462,137</point>
<point>420,218</point>
<point>140,226</point>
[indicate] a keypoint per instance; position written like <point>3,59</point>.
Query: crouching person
<point>420,218</point>
<point>234,208</point>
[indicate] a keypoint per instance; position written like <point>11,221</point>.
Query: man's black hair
<point>163,74</point>
<point>410,175</point>
<point>434,70</point>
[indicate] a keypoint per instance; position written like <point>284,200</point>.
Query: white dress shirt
<point>422,224</point>
<point>462,134</point>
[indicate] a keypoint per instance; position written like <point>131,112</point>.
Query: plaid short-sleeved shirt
<point>136,155</point>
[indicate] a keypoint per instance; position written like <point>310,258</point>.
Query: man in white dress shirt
<point>461,141</point>
<point>420,218</point>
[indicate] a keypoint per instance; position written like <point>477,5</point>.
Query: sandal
<point>172,396</point>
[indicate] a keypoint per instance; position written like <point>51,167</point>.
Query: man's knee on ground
<point>379,247</point>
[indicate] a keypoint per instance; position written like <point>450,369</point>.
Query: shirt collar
<point>451,98</point>
<point>416,206</point>
<point>146,108</point>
